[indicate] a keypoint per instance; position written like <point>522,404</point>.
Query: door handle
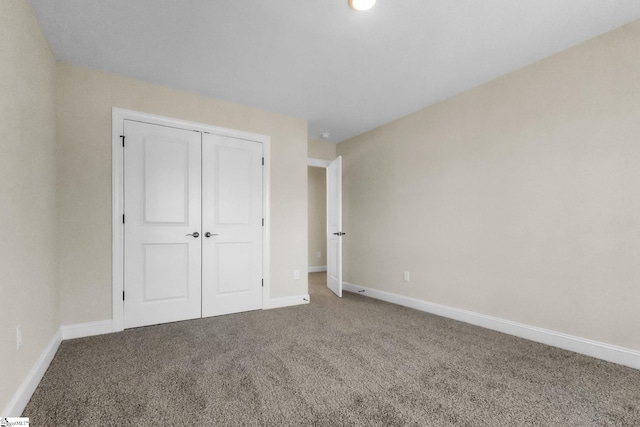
<point>339,233</point>
<point>207,234</point>
<point>195,234</point>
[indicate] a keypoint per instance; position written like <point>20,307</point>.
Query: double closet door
<point>193,224</point>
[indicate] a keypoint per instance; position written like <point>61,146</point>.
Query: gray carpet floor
<point>353,361</point>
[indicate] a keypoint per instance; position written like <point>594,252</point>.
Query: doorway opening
<point>317,212</point>
<point>332,220</point>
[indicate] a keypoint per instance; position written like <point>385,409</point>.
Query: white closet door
<point>334,226</point>
<point>232,225</point>
<point>162,277</point>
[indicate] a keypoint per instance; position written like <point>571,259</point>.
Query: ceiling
<point>346,72</point>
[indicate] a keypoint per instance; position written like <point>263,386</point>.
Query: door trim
<point>118,115</point>
<point>318,163</point>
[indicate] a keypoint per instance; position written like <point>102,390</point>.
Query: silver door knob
<point>195,234</point>
<point>207,234</point>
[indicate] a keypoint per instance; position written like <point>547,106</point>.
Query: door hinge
<point>122,136</point>
<point>263,222</point>
<point>122,295</point>
<point>263,283</point>
<point>123,218</point>
<point>263,161</point>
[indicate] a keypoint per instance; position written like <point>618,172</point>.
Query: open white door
<point>334,226</point>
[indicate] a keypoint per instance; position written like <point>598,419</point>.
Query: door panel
<point>332,256</point>
<point>162,276</point>
<point>232,206</point>
<point>334,226</point>
<point>234,267</point>
<point>166,176</point>
<point>234,181</point>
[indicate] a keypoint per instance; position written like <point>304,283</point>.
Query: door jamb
<point>318,163</point>
<point>118,116</point>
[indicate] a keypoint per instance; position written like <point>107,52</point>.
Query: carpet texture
<point>353,361</point>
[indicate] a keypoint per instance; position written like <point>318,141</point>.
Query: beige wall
<point>518,199</point>
<point>317,208</point>
<point>27,195</point>
<point>321,149</point>
<point>84,100</point>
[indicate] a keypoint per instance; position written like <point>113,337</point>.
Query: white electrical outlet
<point>406,276</point>
<point>319,255</point>
<point>296,274</point>
<point>18,337</point>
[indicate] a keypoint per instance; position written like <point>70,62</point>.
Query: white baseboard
<point>317,269</point>
<point>599,350</point>
<point>286,301</point>
<point>30,383</point>
<point>86,329</point>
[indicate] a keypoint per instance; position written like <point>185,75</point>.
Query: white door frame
<point>118,116</point>
<point>318,163</point>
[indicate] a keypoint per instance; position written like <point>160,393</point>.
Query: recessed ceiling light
<point>361,5</point>
<point>325,135</point>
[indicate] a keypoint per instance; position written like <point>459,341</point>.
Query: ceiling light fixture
<point>361,5</point>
